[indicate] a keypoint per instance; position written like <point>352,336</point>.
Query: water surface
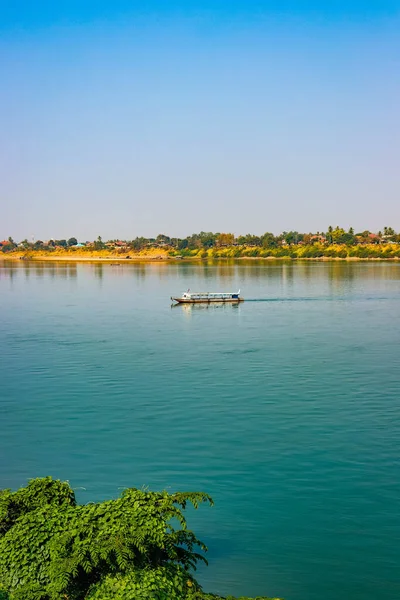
<point>285,408</point>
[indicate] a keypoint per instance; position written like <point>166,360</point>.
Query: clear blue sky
<point>124,118</point>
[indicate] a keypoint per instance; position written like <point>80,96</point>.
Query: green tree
<point>249,240</point>
<point>204,239</point>
<point>138,243</point>
<point>72,241</point>
<point>208,239</point>
<point>98,244</point>
<point>291,237</point>
<point>337,235</point>
<point>135,547</point>
<point>163,239</point>
<point>269,240</point>
<point>183,244</point>
<point>340,236</point>
<point>389,232</point>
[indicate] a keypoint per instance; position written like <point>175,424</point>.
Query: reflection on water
<point>190,308</point>
<point>228,271</point>
<point>98,270</point>
<point>53,269</point>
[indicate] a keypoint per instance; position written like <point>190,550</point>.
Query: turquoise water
<point>285,409</point>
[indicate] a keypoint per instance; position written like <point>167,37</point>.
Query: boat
<point>207,297</point>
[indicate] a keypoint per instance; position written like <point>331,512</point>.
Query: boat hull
<point>208,300</point>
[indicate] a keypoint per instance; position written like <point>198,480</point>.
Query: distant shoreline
<point>212,247</point>
<point>136,258</point>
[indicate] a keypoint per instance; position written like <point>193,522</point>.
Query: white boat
<point>206,297</point>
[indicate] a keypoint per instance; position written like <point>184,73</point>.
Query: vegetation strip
<point>136,547</point>
<point>334,244</point>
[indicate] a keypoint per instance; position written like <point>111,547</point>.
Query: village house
<point>117,245</point>
<point>373,238</point>
<point>318,239</point>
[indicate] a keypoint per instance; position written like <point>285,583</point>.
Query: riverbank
<point>352,254</point>
<point>137,259</point>
<point>85,256</point>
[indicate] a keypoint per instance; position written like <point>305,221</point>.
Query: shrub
<point>135,547</point>
<point>342,253</point>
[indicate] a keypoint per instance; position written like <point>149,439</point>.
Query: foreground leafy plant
<point>123,549</point>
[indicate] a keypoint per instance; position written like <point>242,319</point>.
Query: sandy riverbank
<point>85,257</point>
<point>99,257</point>
<point>108,259</point>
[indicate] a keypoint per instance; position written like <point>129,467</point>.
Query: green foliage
<point>249,240</point>
<point>161,583</point>
<point>204,239</point>
<point>98,244</point>
<point>136,547</point>
<point>268,240</point>
<point>51,548</point>
<point>38,493</point>
<point>313,251</point>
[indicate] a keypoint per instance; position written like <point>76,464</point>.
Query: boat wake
<point>300,299</point>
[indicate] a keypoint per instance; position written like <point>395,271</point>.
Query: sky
<point>126,118</point>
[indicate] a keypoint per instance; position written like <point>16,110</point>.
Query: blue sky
<point>135,118</point>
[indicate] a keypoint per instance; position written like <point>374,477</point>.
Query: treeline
<point>205,240</point>
<point>137,546</point>
<point>335,242</point>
